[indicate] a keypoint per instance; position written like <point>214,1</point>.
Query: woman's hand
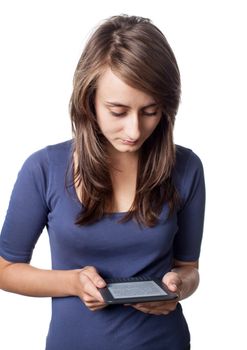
<point>89,281</point>
<point>174,284</point>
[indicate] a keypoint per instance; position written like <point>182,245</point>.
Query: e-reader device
<point>135,290</point>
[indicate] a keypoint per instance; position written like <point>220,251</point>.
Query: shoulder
<point>44,170</point>
<point>188,170</point>
<point>51,154</point>
<point>45,162</point>
<point>60,151</point>
<point>185,157</point>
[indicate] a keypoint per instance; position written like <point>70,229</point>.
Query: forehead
<point>111,88</point>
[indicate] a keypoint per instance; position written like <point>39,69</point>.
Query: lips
<point>128,142</point>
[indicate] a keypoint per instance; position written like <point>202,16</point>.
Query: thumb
<point>93,275</point>
<point>172,286</point>
<point>172,281</point>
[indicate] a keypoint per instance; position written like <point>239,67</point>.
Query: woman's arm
<point>183,280</point>
<point>22,278</point>
<point>188,274</point>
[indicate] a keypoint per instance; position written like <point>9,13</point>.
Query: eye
<point>149,114</point>
<point>118,114</point>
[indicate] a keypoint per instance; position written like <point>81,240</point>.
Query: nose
<point>132,127</point>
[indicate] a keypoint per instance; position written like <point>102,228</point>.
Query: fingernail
<point>173,286</point>
<point>101,283</point>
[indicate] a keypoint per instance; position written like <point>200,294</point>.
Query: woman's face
<point>126,116</point>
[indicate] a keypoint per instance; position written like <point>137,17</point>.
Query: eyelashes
<point>124,113</point>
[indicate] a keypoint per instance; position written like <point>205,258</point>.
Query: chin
<point>122,148</point>
<point>129,149</point>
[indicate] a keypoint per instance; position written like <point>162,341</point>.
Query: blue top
<point>40,198</point>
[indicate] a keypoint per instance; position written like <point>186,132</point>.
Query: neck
<point>123,160</point>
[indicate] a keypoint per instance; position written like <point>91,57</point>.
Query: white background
<point>41,42</point>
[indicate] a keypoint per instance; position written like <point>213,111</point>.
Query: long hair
<point>139,54</point>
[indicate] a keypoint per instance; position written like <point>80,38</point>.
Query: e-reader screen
<point>135,289</point>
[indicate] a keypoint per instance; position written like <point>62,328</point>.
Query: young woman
<point>118,200</point>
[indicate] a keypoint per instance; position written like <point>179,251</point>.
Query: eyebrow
<point>117,104</point>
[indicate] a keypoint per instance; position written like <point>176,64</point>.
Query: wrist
<point>74,284</point>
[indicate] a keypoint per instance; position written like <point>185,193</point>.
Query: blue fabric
<point>40,198</point>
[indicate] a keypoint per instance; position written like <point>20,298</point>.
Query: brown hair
<point>138,52</point>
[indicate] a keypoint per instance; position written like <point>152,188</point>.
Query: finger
<point>89,288</point>
<point>156,308</point>
<point>170,277</point>
<point>140,308</point>
<point>172,281</point>
<point>94,276</point>
<point>97,308</point>
<point>172,287</point>
<point>93,304</point>
<point>175,288</point>
<point>151,311</point>
<point>90,299</point>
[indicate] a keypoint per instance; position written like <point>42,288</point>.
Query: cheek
<point>150,126</point>
<point>108,127</point>
<point>107,130</point>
